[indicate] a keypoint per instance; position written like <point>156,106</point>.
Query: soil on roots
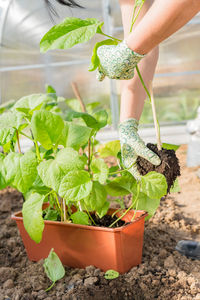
<point>169,166</point>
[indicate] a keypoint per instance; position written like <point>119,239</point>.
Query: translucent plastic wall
<point>23,70</point>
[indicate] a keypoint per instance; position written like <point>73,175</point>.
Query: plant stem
<point>118,172</point>
<point>89,215</point>
<point>64,209</point>
<point>18,144</point>
<point>156,123</point>
<point>50,287</point>
<point>58,204</point>
<point>22,133</point>
<point>89,160</point>
<point>111,37</point>
<point>136,201</point>
<point>78,96</point>
<point>134,19</point>
<point>130,207</point>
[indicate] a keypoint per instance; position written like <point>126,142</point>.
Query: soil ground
<point>164,274</point>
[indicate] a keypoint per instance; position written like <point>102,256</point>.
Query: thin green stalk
<point>130,207</point>
<point>133,21</point>
<point>50,287</point>
<point>58,204</point>
<point>118,172</point>
<point>89,215</point>
<point>22,133</point>
<point>111,37</point>
<point>18,143</point>
<point>136,201</point>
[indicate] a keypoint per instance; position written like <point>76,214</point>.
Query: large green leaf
<point>47,128</point>
<point>11,119</point>
<point>121,186</point>
<point>3,182</point>
<point>70,32</point>
<point>147,204</point>
<point>95,59</point>
<point>154,185</point>
<point>80,217</point>
<point>6,135</point>
<point>97,198</point>
<point>109,149</point>
<point>100,170</point>
<point>102,117</point>
<point>75,186</point>
<point>52,171</point>
<point>74,104</point>
<point>53,267</point>
<point>32,216</point>
<point>74,135</point>
<point>28,104</point>
<point>89,120</point>
<point>21,170</point>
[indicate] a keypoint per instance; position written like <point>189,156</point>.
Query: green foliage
<point>109,149</point>
<point>70,32</point>
<point>75,186</point>
<point>111,274</point>
<point>80,217</point>
<point>53,268</point>
<point>97,197</point>
<point>32,216</point>
<point>100,170</point>
<point>95,59</point>
<point>170,146</point>
<point>176,187</point>
<point>154,185</point>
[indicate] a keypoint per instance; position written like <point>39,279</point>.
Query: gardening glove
<point>133,146</point>
<point>117,61</point>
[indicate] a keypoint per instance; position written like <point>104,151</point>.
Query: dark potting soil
<point>169,166</point>
<point>107,220</point>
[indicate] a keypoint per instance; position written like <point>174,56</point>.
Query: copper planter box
<point>79,246</point>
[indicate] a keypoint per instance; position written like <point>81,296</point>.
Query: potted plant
<point>66,185</point>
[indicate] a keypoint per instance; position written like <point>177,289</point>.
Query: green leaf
<point>111,274</point>
<point>103,211</point>
<point>176,187</point>
<point>68,33</point>
<point>154,185</point>
<point>6,106</point>
<point>53,267</point>
<point>11,119</point>
<point>74,104</point>
<point>32,216</point>
<point>52,171</point>
<point>51,214</point>
<point>170,146</point>
<point>88,119</point>
<point>102,117</point>
<point>3,182</point>
<point>75,186</point>
<point>100,170</point>
<point>120,186</point>
<point>109,149</point>
<point>147,204</point>
<point>97,197</point>
<point>80,217</point>
<point>49,89</point>
<point>91,106</point>
<point>21,170</point>
<point>74,135</point>
<point>6,135</point>
<point>95,59</point>
<point>28,104</point>
<point>47,128</point>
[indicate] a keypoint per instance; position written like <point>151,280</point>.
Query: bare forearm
<point>163,19</point>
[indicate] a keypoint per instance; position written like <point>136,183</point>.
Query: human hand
<point>133,146</point>
<point>117,62</point>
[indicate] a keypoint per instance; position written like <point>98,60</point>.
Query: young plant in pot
<point>66,186</point>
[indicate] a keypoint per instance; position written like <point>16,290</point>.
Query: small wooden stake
<point>78,96</point>
<point>156,124</point>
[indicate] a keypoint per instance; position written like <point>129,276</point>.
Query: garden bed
<point>164,273</point>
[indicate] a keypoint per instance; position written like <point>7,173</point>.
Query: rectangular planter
<point>79,246</point>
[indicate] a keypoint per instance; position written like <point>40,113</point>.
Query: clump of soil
<point>169,166</point>
<point>107,220</point>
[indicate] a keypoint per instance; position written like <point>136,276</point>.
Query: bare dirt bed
<point>164,274</point>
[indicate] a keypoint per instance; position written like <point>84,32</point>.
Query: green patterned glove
<point>117,62</point>
<point>133,146</point>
